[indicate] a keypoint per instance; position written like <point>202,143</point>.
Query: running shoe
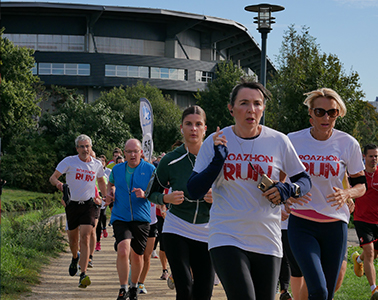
<point>374,294</point>
<point>73,266</point>
<point>122,295</point>
<point>165,275</point>
<point>84,281</point>
<point>358,267</point>
<point>133,293</point>
<point>105,233</point>
<point>154,254</point>
<point>98,246</point>
<point>142,289</point>
<point>170,282</point>
<point>285,296</point>
<point>90,263</point>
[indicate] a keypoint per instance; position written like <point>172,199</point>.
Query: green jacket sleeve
<point>162,176</point>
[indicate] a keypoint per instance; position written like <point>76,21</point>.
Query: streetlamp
<point>264,21</point>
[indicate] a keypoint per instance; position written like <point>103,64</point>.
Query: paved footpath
<point>57,284</point>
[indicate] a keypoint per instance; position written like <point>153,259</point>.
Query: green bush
<point>27,243</point>
<point>29,163</point>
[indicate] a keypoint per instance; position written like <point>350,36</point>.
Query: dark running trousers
<point>319,250</point>
<point>184,255</point>
<point>246,275</point>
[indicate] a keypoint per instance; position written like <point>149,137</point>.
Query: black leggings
<point>101,224</point>
<point>187,256</point>
<point>246,275</point>
<point>285,273</point>
<point>158,239</point>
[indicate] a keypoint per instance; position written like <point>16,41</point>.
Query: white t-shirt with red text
<point>240,216</point>
<point>326,163</point>
<point>81,176</point>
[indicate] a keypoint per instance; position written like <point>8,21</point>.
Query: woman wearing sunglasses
<point>317,230</point>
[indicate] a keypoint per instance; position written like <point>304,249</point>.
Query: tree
<point>29,162</point>
<point>20,91</point>
<point>366,130</point>
<point>303,68</point>
<point>73,117</point>
<point>167,115</point>
<point>215,98</point>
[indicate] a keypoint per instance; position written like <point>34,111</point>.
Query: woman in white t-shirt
<point>317,230</point>
<point>245,229</point>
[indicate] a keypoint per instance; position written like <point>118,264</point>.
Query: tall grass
<point>27,243</point>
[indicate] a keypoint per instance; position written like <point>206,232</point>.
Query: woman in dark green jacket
<point>185,231</point>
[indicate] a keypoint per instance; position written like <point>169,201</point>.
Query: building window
<point>48,42</point>
<point>64,69</point>
<point>202,76</point>
<point>166,73</point>
<point>126,71</point>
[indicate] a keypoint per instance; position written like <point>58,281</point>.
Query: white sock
<point>372,287</point>
<point>359,259</point>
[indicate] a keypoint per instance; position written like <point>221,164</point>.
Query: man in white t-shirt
<point>81,172</point>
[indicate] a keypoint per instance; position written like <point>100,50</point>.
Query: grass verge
<point>27,244</point>
<point>21,200</point>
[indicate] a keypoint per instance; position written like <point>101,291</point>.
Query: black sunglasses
<point>320,112</point>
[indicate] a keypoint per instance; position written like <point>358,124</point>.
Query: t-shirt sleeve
<point>111,178</point>
<point>355,163</point>
<point>63,166</point>
<point>292,165</point>
<point>100,172</point>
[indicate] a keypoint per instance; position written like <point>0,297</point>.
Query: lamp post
<point>264,21</point>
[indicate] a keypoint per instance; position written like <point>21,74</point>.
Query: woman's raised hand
<point>219,140</point>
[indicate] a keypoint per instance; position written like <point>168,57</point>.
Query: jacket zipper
<point>130,189</point>
<point>196,213</point>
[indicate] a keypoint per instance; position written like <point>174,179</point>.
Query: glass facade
<point>64,69</point>
<point>145,72</point>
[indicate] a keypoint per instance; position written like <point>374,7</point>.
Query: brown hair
<point>193,110</point>
<point>244,83</point>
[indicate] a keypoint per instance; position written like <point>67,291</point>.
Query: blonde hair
<point>327,93</point>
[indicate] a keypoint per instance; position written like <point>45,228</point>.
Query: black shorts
<point>97,213</point>
<point>153,231</point>
<point>135,230</point>
<point>80,213</point>
<point>367,233</point>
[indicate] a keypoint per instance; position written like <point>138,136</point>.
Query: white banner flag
<point>146,122</point>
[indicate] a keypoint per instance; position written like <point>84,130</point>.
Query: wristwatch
<point>297,190</point>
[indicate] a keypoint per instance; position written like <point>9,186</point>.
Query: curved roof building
<point>94,48</point>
